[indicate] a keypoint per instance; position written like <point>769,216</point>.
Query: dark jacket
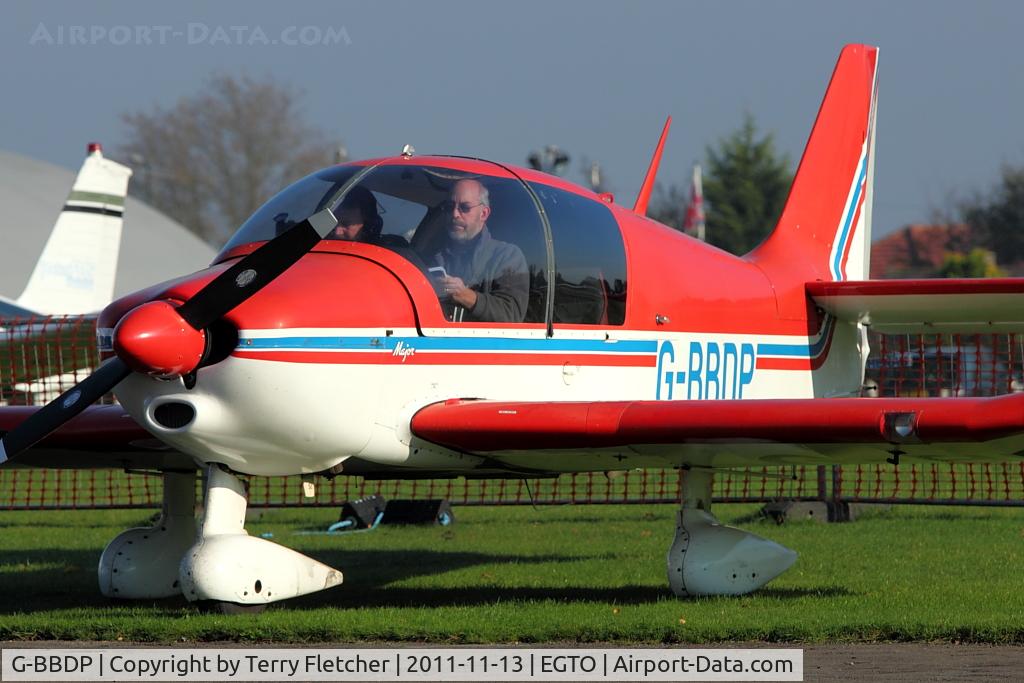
<point>495,270</point>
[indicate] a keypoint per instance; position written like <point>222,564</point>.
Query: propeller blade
<point>55,413</point>
<point>255,271</point>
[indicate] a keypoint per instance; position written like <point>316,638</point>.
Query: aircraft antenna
<point>642,199</point>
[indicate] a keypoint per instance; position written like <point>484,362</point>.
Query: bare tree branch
<point>214,157</point>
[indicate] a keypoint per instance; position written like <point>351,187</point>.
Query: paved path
<point>913,662</point>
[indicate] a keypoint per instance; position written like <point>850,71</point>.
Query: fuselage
<point>335,356</point>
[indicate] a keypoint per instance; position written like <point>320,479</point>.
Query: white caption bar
<point>407,664</point>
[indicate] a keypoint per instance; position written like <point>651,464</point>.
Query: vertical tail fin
<point>824,232</point>
<point>75,273</point>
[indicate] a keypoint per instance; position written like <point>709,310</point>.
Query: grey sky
<point>497,80</point>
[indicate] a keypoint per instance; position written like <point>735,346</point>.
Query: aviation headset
<point>361,198</point>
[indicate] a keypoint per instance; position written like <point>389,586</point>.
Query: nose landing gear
<point>226,565</point>
<point>215,563</point>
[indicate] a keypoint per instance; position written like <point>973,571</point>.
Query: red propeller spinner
<point>154,339</point>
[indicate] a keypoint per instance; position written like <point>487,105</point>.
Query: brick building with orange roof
<point>918,250</point>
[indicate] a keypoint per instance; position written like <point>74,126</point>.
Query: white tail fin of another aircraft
<point>75,273</point>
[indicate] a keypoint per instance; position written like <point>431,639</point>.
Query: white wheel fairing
<point>709,558</point>
<point>250,571</point>
<point>227,565</point>
<point>143,563</point>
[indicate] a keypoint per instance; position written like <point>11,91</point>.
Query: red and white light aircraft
<point>639,347</point>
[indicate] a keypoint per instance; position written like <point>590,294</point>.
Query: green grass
<point>580,574</point>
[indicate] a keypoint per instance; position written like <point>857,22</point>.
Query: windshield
<point>479,238</point>
<point>292,205</point>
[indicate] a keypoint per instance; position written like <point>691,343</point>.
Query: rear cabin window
<point>590,259</point>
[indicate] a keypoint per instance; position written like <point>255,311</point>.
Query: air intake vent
<point>174,415</point>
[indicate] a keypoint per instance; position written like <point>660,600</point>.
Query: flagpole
<point>698,186</point>
<point>693,219</point>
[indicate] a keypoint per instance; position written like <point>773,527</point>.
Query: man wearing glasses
<point>483,279</point>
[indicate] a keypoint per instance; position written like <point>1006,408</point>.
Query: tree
<point>214,157</point>
<point>977,262</point>
<point>998,219</point>
<point>668,205</point>
<point>745,187</point>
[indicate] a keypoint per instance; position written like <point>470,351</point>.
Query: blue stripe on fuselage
<point>449,344</point>
<point>800,350</point>
<point>836,274</point>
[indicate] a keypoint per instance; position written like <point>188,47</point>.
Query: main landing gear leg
<point>143,563</point>
<point>708,558</point>
<point>228,567</point>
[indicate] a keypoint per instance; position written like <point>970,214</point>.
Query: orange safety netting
<point>40,358</point>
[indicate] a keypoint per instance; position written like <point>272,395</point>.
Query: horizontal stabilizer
<point>10,310</point>
<point>928,306</point>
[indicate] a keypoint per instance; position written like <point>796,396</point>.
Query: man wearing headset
<point>358,219</point>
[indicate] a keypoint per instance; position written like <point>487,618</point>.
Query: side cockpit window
<point>590,259</point>
<point>478,238</point>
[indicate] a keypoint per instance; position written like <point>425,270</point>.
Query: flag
<point>693,220</point>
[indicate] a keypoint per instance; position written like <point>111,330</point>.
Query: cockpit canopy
<point>424,211</point>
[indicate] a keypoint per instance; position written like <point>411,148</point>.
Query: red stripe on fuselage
<point>372,358</point>
<point>798,363</point>
<point>783,364</point>
<point>853,231</point>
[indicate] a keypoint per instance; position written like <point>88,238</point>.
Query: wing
<point>102,436</point>
<point>909,306</point>
<point>618,435</point>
